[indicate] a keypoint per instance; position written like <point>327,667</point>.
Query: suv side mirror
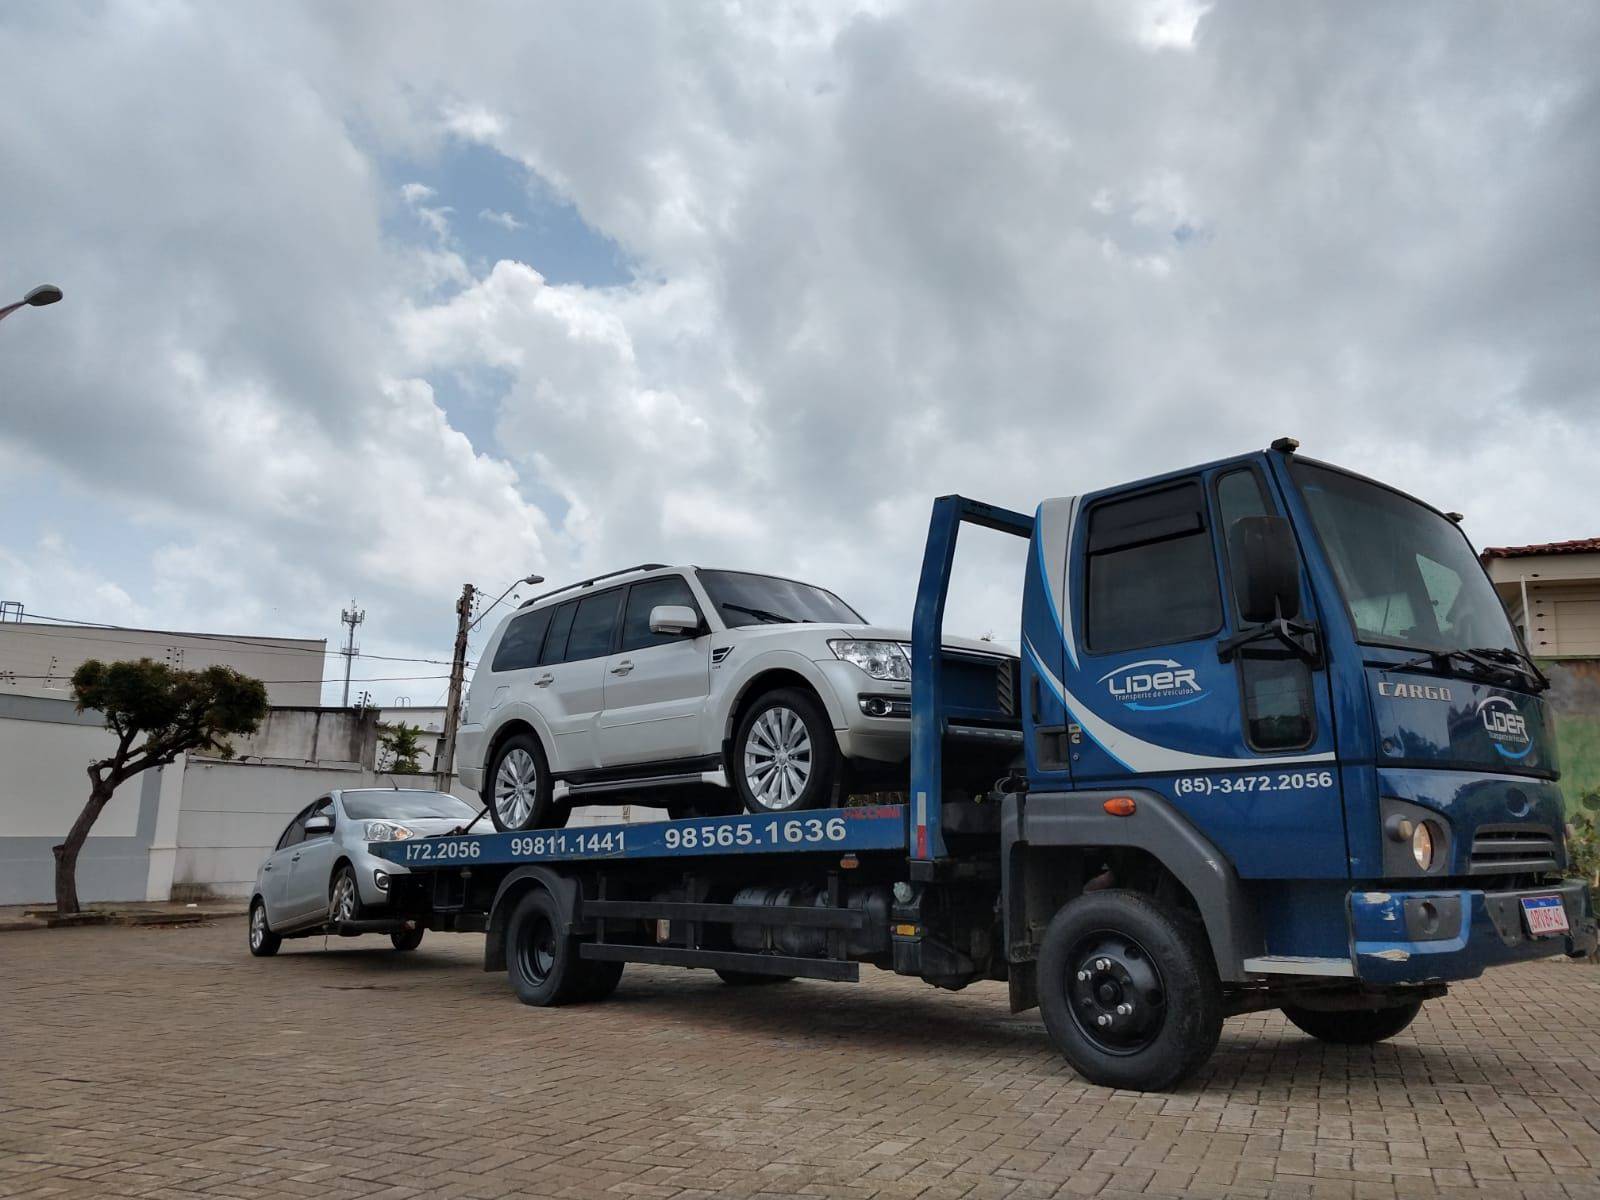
<point>673,619</point>
<point>318,824</point>
<point>1266,569</point>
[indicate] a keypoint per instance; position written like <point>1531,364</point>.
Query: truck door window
<point>1152,574</point>
<point>594,626</point>
<point>520,646</point>
<point>555,642</point>
<point>1279,713</point>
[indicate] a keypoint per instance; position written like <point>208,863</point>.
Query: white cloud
<point>880,255</point>
<point>505,220</point>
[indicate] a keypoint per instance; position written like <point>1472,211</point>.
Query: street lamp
<point>529,579</point>
<point>45,293</point>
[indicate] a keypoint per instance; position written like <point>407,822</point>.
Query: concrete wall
<point>45,749</point>
<point>292,668</point>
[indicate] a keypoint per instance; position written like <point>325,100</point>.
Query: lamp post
<point>45,293</point>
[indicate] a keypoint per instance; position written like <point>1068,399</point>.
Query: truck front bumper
<point>1447,935</point>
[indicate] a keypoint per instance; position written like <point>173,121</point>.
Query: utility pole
<point>458,670</point>
<point>352,617</point>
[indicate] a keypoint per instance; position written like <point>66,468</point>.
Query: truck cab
<point>1306,688</point>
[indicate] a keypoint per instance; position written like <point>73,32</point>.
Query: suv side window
<point>595,626</point>
<point>555,642</point>
<point>642,597</point>
<point>1152,573</point>
<point>524,637</point>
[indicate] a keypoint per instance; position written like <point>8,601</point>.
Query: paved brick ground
<point>139,1062</point>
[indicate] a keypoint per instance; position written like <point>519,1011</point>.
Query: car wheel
<point>784,755</point>
<point>1128,990</point>
<point>517,788</point>
<point>1359,1027</point>
<point>263,942</point>
<point>407,939</point>
<point>344,897</point>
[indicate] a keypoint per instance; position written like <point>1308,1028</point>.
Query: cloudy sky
<point>365,301</point>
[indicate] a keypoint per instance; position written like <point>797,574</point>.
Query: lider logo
<point>1155,683</point>
<point>1507,728</point>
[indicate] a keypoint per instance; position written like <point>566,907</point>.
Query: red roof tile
<point>1577,546</point>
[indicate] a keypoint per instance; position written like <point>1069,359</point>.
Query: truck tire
<point>1357,1027</point>
<point>516,787</point>
<point>600,979</point>
<point>1128,990</point>
<point>785,758</point>
<point>407,939</point>
<point>541,958</point>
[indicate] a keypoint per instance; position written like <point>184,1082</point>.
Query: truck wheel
<point>750,978</point>
<point>600,979</point>
<point>516,789</point>
<point>1359,1027</point>
<point>784,755</point>
<point>1129,991</point>
<point>541,959</point>
<point>407,939</point>
<point>263,942</point>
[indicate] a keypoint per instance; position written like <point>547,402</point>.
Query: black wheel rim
<point>536,953</point>
<point>1115,992</point>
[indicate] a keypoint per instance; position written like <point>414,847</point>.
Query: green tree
<point>157,713</point>
<point>401,743</point>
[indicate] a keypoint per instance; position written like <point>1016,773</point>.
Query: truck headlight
<point>881,660</point>
<point>1422,845</point>
<point>388,831</point>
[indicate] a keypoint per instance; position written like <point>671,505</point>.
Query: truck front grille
<point>1507,849</point>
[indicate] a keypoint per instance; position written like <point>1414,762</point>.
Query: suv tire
<point>1358,1027</point>
<point>784,756</point>
<point>516,787</point>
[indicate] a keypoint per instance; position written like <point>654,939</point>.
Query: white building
<point>38,658</point>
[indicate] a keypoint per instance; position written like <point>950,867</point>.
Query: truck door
<point>1243,747</point>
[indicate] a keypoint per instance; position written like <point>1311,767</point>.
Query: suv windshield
<point>745,599</point>
<point>1408,575</point>
<point>376,805</point>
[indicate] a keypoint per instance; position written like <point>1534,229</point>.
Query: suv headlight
<point>388,831</point>
<point>881,660</point>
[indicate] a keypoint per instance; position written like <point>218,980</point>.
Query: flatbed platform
<point>867,829</point>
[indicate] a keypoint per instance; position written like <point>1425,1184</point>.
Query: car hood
<point>872,633</point>
<point>423,826</point>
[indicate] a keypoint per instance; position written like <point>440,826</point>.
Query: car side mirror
<point>318,824</point>
<point>674,619</point>
<point>1266,569</point>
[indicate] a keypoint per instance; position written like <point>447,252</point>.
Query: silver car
<point>320,877</point>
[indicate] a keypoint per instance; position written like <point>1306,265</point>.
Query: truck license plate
<point>1544,914</point>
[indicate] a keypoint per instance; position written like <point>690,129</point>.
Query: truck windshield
<point>1408,575</point>
<point>745,599</point>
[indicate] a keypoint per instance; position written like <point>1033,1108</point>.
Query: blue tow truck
<point>1276,745</point>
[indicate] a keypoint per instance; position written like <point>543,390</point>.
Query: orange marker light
<point>1120,806</point>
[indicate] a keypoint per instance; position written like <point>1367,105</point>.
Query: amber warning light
<point>1120,806</point>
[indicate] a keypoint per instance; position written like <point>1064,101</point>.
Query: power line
<point>6,676</point>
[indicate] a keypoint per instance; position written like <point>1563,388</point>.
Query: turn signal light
<point>1120,806</point>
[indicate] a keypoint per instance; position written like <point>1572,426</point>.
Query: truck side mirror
<point>1266,569</point>
<point>673,619</point>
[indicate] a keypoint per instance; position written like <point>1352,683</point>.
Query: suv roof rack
<point>583,583</point>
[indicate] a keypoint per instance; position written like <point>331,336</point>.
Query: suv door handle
<point>623,667</point>
<point>294,858</point>
<point>266,866</point>
<point>544,680</point>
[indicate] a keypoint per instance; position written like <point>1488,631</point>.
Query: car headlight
<point>1422,845</point>
<point>388,831</point>
<point>881,660</point>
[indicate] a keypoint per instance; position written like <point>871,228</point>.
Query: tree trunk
<point>67,852</point>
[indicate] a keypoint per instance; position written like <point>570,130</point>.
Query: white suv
<point>701,690</point>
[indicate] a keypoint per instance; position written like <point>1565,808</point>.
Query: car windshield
<point>380,805</point>
<point>745,599</point>
<point>1408,574</point>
